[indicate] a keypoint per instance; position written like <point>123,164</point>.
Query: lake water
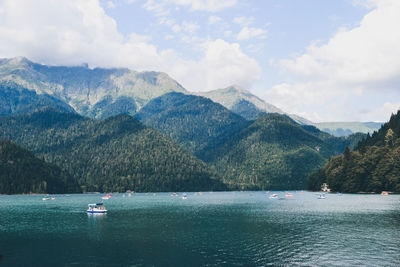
<point>212,229</point>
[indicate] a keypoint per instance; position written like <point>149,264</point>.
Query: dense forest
<point>272,153</point>
<point>115,154</point>
<point>22,172</point>
<point>15,99</point>
<point>373,166</point>
<point>195,122</point>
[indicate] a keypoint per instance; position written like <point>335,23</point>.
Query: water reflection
<point>96,225</point>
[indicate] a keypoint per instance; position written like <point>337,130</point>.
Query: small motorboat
<point>274,196</point>
<point>289,194</point>
<point>96,208</point>
<point>106,196</point>
<point>321,196</point>
<point>385,193</point>
<point>46,198</point>
<point>184,196</point>
<point>174,194</point>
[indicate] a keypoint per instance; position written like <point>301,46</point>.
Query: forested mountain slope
<point>23,173</point>
<point>373,166</point>
<point>196,122</point>
<point>115,154</point>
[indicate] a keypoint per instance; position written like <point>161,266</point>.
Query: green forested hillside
<point>15,99</point>
<point>115,154</point>
<point>195,122</point>
<point>373,166</point>
<point>272,153</point>
<point>22,173</point>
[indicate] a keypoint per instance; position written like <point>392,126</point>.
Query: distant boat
<point>289,194</point>
<point>96,208</point>
<point>274,196</point>
<point>385,193</point>
<point>106,196</point>
<point>52,198</point>
<point>184,196</point>
<point>321,196</point>
<point>46,198</point>
<point>174,194</point>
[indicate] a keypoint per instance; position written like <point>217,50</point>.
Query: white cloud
<point>157,7</point>
<point>190,27</point>
<point>214,19</point>
<point>356,62</point>
<point>76,31</point>
<point>223,64</point>
<point>110,4</point>
<point>247,33</point>
<point>206,5</point>
<point>160,7</point>
<point>176,28</point>
<point>227,33</point>
<point>167,21</point>
<point>244,21</point>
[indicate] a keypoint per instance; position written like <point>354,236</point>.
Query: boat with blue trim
<point>96,208</point>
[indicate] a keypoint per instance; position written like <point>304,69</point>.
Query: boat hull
<point>96,211</point>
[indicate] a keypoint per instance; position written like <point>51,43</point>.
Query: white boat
<point>96,208</point>
<point>274,196</point>
<point>321,196</point>
<point>174,194</point>
<point>184,196</point>
<point>46,198</point>
<point>289,194</point>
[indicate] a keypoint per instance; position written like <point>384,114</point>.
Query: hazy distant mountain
<point>115,154</point>
<point>246,104</point>
<point>95,92</point>
<point>23,173</point>
<point>233,96</point>
<point>347,128</point>
<point>196,122</point>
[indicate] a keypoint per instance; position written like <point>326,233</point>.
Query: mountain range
<point>100,93</point>
<point>96,93</point>
<point>80,119</point>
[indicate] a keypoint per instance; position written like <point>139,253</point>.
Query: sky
<point>331,60</point>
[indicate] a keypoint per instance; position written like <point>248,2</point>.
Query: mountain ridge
<point>82,88</point>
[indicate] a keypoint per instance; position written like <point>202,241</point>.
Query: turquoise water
<point>212,229</point>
